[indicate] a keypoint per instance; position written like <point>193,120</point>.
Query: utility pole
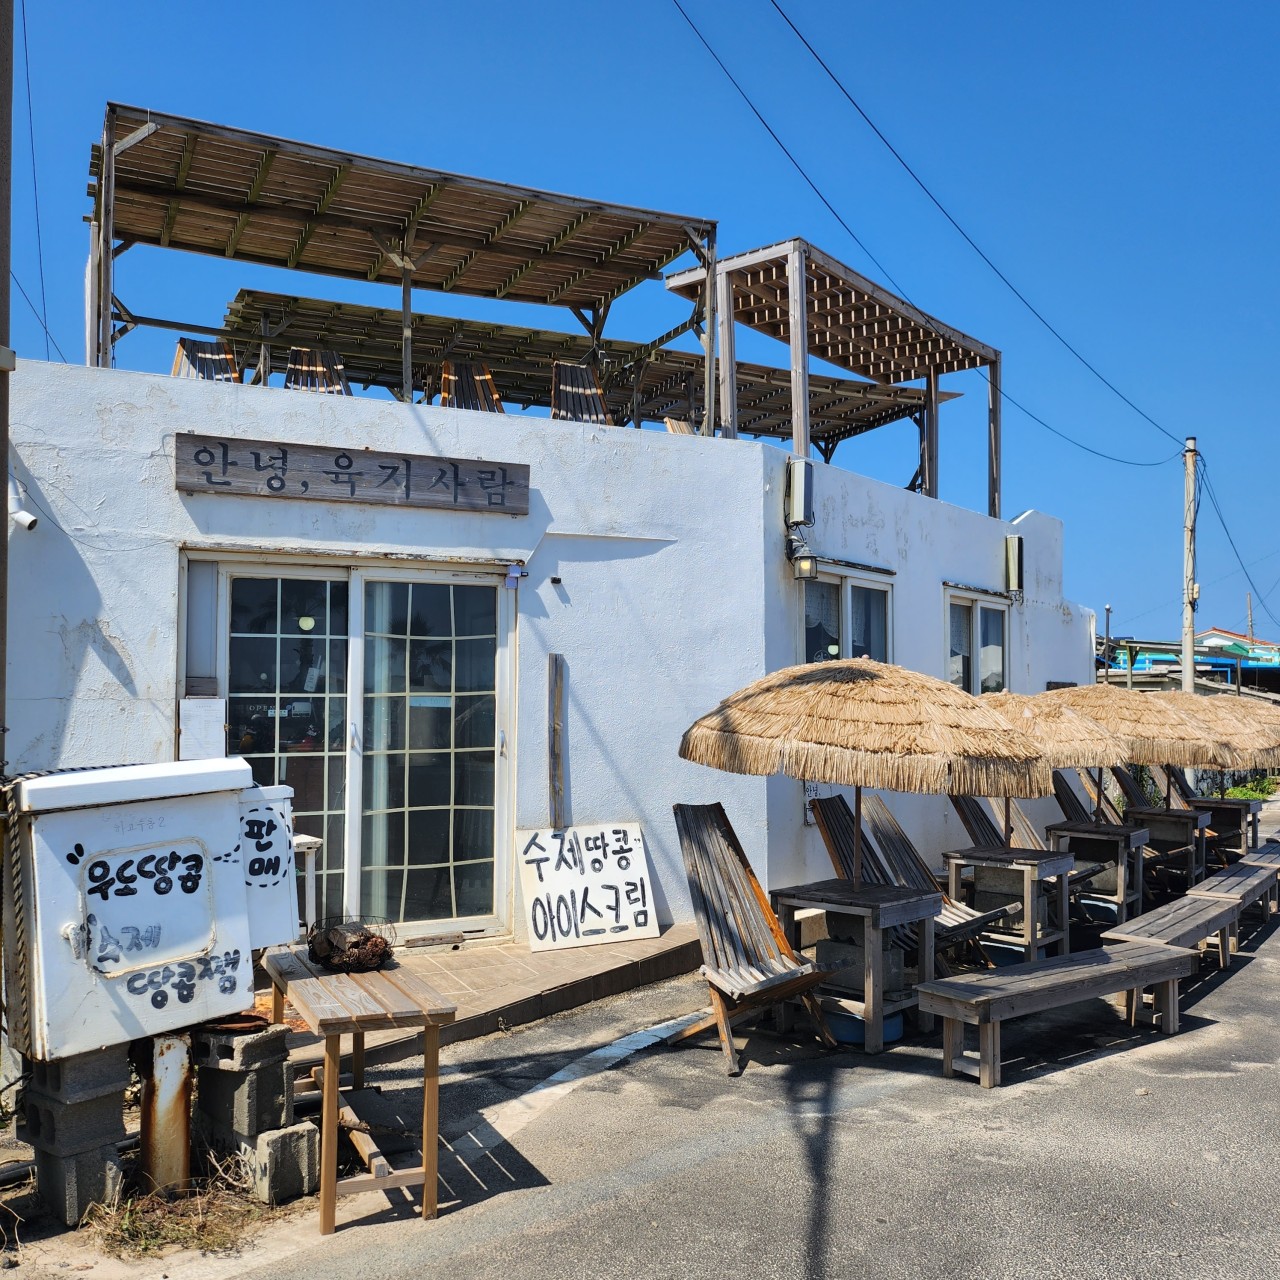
<point>6,355</point>
<point>1190,588</point>
<point>1248,604</point>
<point>1106,647</point>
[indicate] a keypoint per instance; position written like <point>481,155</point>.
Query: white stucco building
<point>225,567</point>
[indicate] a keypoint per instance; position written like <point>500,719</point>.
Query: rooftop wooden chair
<point>468,384</point>
<point>576,394</point>
<point>214,361</point>
<point>678,427</point>
<point>316,369</point>
<point>747,961</point>
<point>889,858</point>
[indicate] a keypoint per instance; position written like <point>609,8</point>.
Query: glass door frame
<point>239,564</point>
<point>504,773</point>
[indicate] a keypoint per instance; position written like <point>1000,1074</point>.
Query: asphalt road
<point>1108,1152</point>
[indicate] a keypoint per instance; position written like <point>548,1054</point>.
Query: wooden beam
<point>728,360</point>
<point>544,253</point>
<point>326,199</point>
<point>797,288</point>
<point>179,182</point>
<point>619,246</point>
<point>505,225</point>
<point>993,438</point>
<point>255,190</point>
<point>410,226</point>
<point>555,740</point>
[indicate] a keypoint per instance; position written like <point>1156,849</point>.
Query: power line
<point>1217,509</point>
<point>813,186</point>
<point>969,240</point>
<point>35,185</point>
<point>13,275</point>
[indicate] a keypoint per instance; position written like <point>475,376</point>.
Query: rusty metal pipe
<point>166,1115</point>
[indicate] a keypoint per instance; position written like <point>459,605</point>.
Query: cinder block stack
<point>244,1106</point>
<point>72,1114</point>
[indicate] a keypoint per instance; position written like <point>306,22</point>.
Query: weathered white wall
<point>675,588</point>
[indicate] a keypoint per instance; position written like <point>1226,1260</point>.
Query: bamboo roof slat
<point>211,189</point>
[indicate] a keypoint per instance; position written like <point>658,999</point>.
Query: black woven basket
<point>351,944</point>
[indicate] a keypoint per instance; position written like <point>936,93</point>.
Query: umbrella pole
<point>1008,825</point>
<point>1097,810</point>
<point>857,835</point>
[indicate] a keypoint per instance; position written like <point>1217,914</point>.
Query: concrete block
<point>244,1104</point>
<point>286,1163</point>
<point>831,954</point>
<point>82,1077</point>
<point>69,1128</point>
<point>227,1051</point>
<point>69,1185</point>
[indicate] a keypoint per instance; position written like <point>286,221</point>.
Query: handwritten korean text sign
<point>585,884</point>
<point>269,469</point>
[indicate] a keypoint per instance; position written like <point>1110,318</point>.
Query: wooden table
<point>1036,866</point>
<point>1106,842</point>
<point>1229,817</point>
<point>1170,831</point>
<point>332,1004</point>
<point>880,907</point>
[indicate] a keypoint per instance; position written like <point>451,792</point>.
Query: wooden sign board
<point>269,469</point>
<point>585,885</point>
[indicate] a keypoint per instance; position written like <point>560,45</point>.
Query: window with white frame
<point>846,617</point>
<point>976,642</point>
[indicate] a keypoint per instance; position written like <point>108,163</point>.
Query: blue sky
<point>1116,160</point>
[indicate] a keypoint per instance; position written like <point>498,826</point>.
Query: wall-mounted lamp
<point>804,564</point>
<point>306,624</point>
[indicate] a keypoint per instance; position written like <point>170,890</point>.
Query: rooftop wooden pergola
<point>845,319</point>
<point>642,383</point>
<point>179,183</point>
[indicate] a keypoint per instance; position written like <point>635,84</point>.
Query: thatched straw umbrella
<point>861,723</point>
<point>1249,728</point>
<point>1157,733</point>
<point>1066,737</point>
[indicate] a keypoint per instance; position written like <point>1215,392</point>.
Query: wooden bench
<point>1242,882</point>
<point>1184,922</point>
<point>334,1003</point>
<point>987,998</point>
<point>1265,855</point>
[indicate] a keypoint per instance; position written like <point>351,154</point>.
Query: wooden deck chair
<point>678,427</point>
<point>214,361</point>
<point>1073,808</point>
<point>1183,791</point>
<point>468,385</point>
<point>316,369</point>
<point>747,961</point>
<point>1130,788</point>
<point>1090,784</point>
<point>576,394</point>
<point>889,858</point>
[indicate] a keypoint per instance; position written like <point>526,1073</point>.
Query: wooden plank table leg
<point>924,968</point>
<point>1167,995</point>
<point>872,988</point>
<point>430,1119</point>
<point>1030,914</point>
<point>357,1060</point>
<point>329,1136</point>
<point>1064,914</point>
<point>952,1045</point>
<point>1224,947</point>
<point>277,1003</point>
<point>989,1054</point>
<point>783,1019</point>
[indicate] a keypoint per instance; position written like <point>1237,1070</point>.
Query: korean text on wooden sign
<point>585,885</point>
<point>269,469</point>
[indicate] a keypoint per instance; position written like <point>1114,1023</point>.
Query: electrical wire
<point>968,239</point>
<point>813,186</point>
<point>1207,484</point>
<point>13,275</point>
<point>35,186</point>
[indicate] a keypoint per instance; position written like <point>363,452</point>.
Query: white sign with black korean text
<point>585,885</point>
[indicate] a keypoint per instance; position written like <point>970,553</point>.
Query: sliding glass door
<point>381,699</point>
